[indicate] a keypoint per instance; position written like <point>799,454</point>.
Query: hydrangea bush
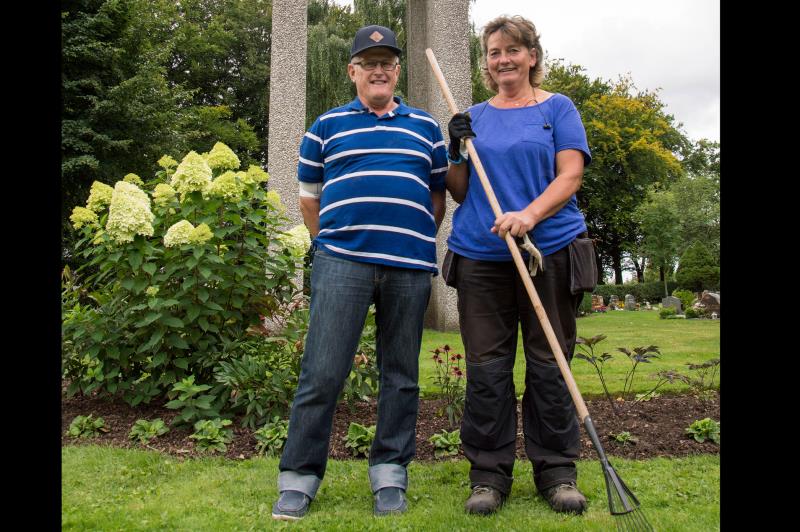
<point>178,268</point>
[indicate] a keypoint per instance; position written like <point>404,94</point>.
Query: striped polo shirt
<point>377,174</point>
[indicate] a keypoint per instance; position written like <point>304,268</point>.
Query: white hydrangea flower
<point>226,186</point>
<point>200,234</point>
<point>129,213</point>
<point>135,179</point>
<point>82,216</point>
<point>221,157</point>
<point>163,194</point>
<point>297,240</point>
<point>275,200</point>
<point>179,233</point>
<point>99,196</point>
<point>191,175</point>
<point>255,175</point>
<point>167,162</point>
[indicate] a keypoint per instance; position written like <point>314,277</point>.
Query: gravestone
<point>672,301</point>
<point>709,302</point>
<point>597,302</point>
<point>630,302</point>
<point>613,302</point>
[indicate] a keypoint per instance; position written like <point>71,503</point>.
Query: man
<point>372,195</point>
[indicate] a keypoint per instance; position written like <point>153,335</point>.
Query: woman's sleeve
<point>568,130</point>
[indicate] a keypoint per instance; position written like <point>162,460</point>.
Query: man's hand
<point>459,127</point>
<point>517,223</point>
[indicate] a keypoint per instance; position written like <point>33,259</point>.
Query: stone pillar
<point>287,100</point>
<point>443,26</point>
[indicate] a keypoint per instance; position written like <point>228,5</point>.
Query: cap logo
<point>375,36</point>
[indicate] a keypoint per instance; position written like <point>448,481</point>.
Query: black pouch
<point>449,268</point>
<point>582,266</point>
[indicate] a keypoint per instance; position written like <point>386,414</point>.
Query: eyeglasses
<point>369,66</point>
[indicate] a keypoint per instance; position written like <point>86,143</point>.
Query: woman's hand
<point>515,222</point>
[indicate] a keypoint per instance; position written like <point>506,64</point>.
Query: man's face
<point>375,87</point>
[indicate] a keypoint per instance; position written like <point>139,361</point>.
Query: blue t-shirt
<point>377,173</point>
<point>519,156</point>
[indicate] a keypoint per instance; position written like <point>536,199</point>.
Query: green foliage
<point>697,270</point>
<point>597,361</point>
<point>262,375</point>
<point>650,291</point>
<point>450,379</point>
<point>704,429</point>
<point>175,301</point>
<point>446,443</point>
<point>586,305</point>
<point>658,223</point>
<point>637,356</point>
<point>271,437</point>
<point>362,382</point>
<point>686,297</point>
<point>691,313</point>
<point>624,438</point>
<point>211,435</point>
<point>86,427</point>
<point>359,438</point>
<point>192,404</point>
<point>144,430</point>
<point>667,312</point>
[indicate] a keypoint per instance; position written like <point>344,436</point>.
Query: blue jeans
<point>341,294</point>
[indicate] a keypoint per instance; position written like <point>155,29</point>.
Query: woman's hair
<point>520,30</point>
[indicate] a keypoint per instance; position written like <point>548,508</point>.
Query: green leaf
<point>198,252</point>
<point>214,306</point>
<point>127,284</point>
<point>192,312</point>
<point>182,363</point>
<point>140,284</point>
<point>150,268</point>
<point>205,271</point>
<point>203,323</point>
<point>150,318</point>
<point>191,262</point>
<point>176,341</point>
<point>189,282</point>
<point>172,321</point>
<point>159,359</point>
<point>202,293</point>
<point>135,260</point>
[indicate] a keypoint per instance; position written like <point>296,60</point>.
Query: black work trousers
<point>492,301</point>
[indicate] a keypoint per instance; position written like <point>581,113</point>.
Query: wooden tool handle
<point>580,406</point>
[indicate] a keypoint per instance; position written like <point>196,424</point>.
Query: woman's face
<point>509,62</point>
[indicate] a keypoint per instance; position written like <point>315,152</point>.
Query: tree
<point>697,196</point>
<point>697,269</point>
<point>659,224</point>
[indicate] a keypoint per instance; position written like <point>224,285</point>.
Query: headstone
<point>597,303</point>
<point>672,301</point>
<point>709,303</point>
<point>647,306</point>
<point>613,302</point>
<point>630,302</point>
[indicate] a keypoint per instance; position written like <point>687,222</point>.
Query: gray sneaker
<point>390,500</point>
<point>565,498</point>
<point>291,506</point>
<point>484,500</point>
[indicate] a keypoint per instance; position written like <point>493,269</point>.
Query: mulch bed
<point>659,425</point>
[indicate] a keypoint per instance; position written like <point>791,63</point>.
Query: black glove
<point>459,127</point>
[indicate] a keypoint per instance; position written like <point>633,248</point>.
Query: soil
<point>659,425</point>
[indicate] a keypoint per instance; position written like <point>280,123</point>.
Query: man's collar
<point>401,109</point>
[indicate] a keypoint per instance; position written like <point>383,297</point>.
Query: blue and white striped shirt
<point>377,175</point>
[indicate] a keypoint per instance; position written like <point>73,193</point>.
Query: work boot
<point>291,506</point>
<point>484,500</point>
<point>390,500</point>
<point>565,498</point>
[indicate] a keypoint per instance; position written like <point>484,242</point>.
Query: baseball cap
<point>373,36</point>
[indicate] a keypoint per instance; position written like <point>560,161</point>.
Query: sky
<point>672,47</point>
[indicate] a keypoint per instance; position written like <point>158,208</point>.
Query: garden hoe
<point>621,501</point>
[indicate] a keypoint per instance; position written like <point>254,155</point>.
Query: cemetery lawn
<point>680,341</point>
<point>105,488</point>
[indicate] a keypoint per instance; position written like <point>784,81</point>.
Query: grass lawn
<point>106,488</point>
<point>680,342</point>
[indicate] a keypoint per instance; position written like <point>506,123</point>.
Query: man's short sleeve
<point>438,160</point>
<point>310,166</point>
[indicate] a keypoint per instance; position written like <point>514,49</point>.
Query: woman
<point>533,147</point>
